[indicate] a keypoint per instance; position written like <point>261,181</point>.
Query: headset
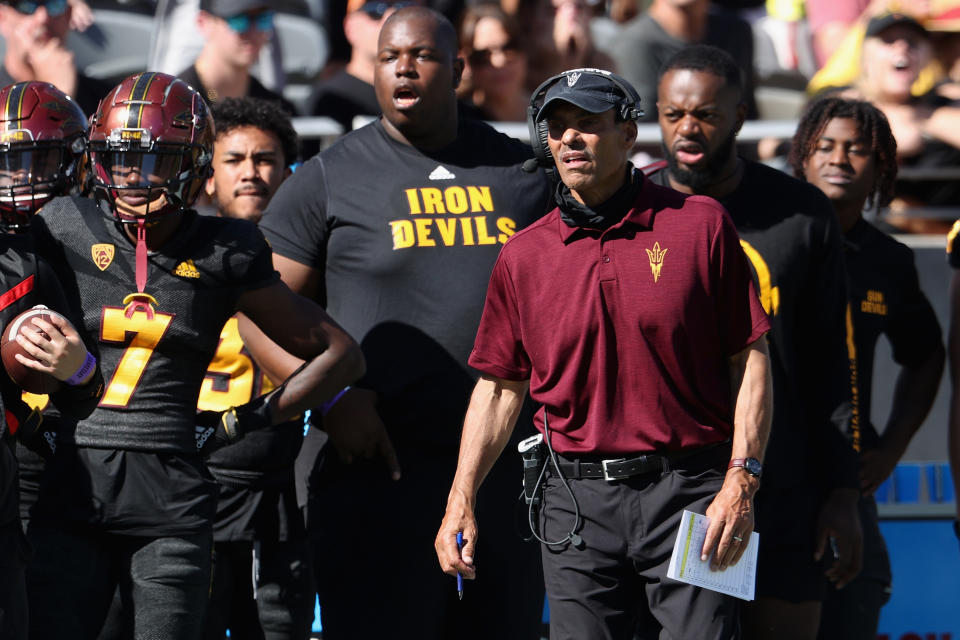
<point>628,109</point>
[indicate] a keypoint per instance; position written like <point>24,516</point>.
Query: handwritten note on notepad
<point>685,565</point>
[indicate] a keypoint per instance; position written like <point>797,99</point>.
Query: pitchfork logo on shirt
<point>656,259</point>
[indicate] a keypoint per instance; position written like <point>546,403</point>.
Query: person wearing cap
<point>35,34</point>
<point>234,32</point>
<point>652,375</point>
<point>810,534</point>
<point>349,92</point>
<point>396,227</point>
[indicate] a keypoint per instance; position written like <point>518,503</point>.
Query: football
<point>26,378</point>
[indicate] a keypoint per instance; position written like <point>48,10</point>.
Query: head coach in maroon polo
<point>629,314</point>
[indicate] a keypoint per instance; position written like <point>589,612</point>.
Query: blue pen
<point>459,577</point>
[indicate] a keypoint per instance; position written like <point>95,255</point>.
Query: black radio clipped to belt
<point>533,453</point>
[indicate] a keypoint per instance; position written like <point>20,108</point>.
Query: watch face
<point>753,466</point>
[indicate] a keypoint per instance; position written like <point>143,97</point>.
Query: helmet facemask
<point>142,179</point>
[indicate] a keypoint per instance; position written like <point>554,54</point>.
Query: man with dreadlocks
<point>845,148</point>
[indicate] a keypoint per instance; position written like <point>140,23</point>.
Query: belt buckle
<point>606,471</point>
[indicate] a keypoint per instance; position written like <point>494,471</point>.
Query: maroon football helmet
<point>42,140</point>
<point>151,143</point>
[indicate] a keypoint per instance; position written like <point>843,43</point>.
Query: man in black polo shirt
<point>792,239</point>
<point>396,227</point>
<point>846,149</point>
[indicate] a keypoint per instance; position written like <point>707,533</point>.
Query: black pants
<point>614,587</point>
<point>853,613</point>
<point>281,609</point>
<point>13,589</point>
<point>73,577</point>
<point>376,569</point>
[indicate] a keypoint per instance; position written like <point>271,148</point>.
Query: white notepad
<point>738,580</point>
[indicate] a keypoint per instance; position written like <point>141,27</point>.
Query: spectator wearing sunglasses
<point>496,67</point>
<point>349,92</point>
<point>35,33</point>
<point>234,32</point>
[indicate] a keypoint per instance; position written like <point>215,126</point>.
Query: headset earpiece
<point>629,109</point>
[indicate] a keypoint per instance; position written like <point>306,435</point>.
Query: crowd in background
<point>789,51</point>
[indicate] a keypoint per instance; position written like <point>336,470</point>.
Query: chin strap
<point>141,254</point>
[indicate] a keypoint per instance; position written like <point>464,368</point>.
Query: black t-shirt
<point>89,92</point>
<point>406,241</point>
<point>793,243</point>
<point>885,298</point>
<point>132,466</point>
<point>255,90</point>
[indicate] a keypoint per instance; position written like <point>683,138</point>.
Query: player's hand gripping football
<point>356,430</point>
<point>56,347</point>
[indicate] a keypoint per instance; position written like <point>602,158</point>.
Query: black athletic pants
<point>376,569</point>
<point>281,609</point>
<point>73,576</point>
<point>615,586</point>
<point>853,613</point>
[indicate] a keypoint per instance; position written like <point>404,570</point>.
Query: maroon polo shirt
<point>625,334</point>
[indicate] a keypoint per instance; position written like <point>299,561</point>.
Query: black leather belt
<point>622,468</point>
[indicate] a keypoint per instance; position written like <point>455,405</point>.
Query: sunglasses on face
<point>481,57</point>
<point>242,22</point>
<point>377,10</point>
<point>54,7</point>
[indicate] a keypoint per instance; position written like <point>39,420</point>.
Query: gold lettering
<point>874,296</point>
<point>878,308</point>
<point>467,232</point>
<point>769,295</point>
<point>433,200</point>
<point>456,199</point>
<point>507,228</point>
<point>414,201</point>
<point>423,233</point>
<point>403,236</point>
<point>480,199</point>
<point>482,235</point>
<point>448,230</point>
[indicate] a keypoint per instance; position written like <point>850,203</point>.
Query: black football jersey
<point>265,456</point>
<point>153,347</point>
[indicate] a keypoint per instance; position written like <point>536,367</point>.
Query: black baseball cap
<point>228,8</point>
<point>592,92</point>
<point>879,24</point>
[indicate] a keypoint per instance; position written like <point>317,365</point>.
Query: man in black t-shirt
<point>127,501</point>
<point>788,231</point>
<point>846,149</point>
<point>397,227</point>
<point>36,50</point>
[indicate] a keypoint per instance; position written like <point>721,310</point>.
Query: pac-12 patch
<point>102,255</point>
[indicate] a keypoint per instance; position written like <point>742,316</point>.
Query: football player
<point>127,499</point>
<point>42,138</point>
